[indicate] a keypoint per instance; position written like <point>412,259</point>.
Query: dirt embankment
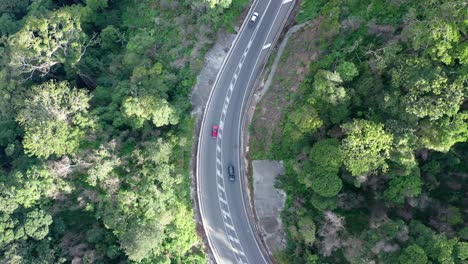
<point>286,74</point>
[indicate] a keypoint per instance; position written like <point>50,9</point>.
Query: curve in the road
<point>224,205</point>
<point>224,214</point>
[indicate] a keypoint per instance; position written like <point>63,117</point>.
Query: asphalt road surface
<point>222,203</point>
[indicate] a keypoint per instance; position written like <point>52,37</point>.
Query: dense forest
<point>95,128</point>
<point>375,139</point>
<point>95,131</point>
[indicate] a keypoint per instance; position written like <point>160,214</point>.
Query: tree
<point>437,246</point>
<point>303,121</point>
<point>404,144</point>
<point>463,233</point>
<point>462,250</point>
<point>366,146</point>
<point>306,228</point>
<point>439,34</point>
<point>92,13</point>
<point>429,92</point>
<point>413,254</point>
<point>14,228</point>
<point>37,224</point>
<point>140,239</point>
<point>327,153</point>
<point>14,6</point>
<point>34,185</point>
<point>149,99</point>
<point>321,174</point>
<point>220,3</point>
<point>54,118</point>
<point>322,203</point>
<point>182,233</point>
<point>328,97</point>
<point>8,201</point>
<point>442,248</point>
<point>27,251</point>
<point>194,259</point>
<point>442,134</point>
<point>401,186</point>
<point>8,24</point>
<point>156,110</point>
<point>434,99</point>
<point>8,230</point>
<point>110,38</point>
<point>446,37</point>
<point>347,71</point>
<point>326,183</point>
<point>45,42</point>
<point>101,173</point>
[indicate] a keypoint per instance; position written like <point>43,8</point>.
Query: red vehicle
<point>214,131</point>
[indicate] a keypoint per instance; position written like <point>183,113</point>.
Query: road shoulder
<point>269,202</point>
<point>279,82</point>
<point>200,93</point>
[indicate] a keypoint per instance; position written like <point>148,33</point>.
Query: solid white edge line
<point>201,134</point>
<point>202,212</point>
<point>222,122</point>
<point>240,134</point>
<point>223,116</point>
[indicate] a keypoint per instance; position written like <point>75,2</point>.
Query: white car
<point>253,18</point>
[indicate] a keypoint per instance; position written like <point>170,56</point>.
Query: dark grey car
<point>231,175</point>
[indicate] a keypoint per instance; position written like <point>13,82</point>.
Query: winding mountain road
<point>223,204</point>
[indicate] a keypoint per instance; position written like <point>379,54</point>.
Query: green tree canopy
<point>303,121</point>
<point>110,38</point>
<point>437,246</point>
<point>47,41</point>
<point>404,144</point>
<point>156,110</point>
<point>401,186</point>
<point>440,33</point>
<point>327,153</point>
<point>442,134</point>
<point>328,96</point>
<point>366,146</point>
<point>35,184</point>
<point>220,3</point>
<point>8,24</point>
<point>8,230</point>
<point>325,182</point>
<point>53,117</point>
<point>413,254</point>
<point>429,92</point>
<point>322,203</point>
<point>306,228</point>
<point>321,174</point>
<point>347,71</point>
<point>14,6</point>
<point>462,250</point>
<point>37,224</point>
<point>140,239</point>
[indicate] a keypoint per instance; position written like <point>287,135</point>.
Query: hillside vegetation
<point>95,131</point>
<point>375,138</point>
